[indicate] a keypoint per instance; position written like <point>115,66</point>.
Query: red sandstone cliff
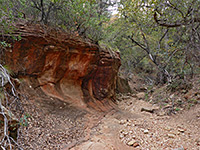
<point>64,66</point>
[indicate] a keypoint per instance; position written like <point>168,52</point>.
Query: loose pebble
<point>171,135</point>
<point>130,143</point>
<point>146,131</point>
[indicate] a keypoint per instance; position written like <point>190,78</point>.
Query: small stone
<point>161,113</point>
<point>146,131</point>
<point>121,136</point>
<point>181,130</point>
<point>168,128</point>
<point>130,103</point>
<point>125,97</point>
<point>122,121</point>
<point>171,135</point>
<point>140,95</point>
<point>106,127</point>
<point>135,144</point>
<point>150,110</point>
<point>131,143</point>
<point>180,148</point>
<point>171,96</point>
<point>125,133</point>
<point>198,142</point>
<point>121,131</point>
<point>128,124</point>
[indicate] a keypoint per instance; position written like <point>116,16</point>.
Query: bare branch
<point>137,43</point>
<point>174,7</point>
<point>159,22</point>
<point>177,24</point>
<point>36,5</point>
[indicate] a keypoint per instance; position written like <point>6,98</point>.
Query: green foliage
<point>193,101</point>
<point>4,44</point>
<point>81,16</point>
<point>24,120</point>
<point>178,85</point>
<point>177,109</point>
<point>153,36</point>
<point>10,72</point>
<point>172,48</point>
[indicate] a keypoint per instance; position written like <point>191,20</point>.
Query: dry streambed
<point>133,129</point>
<point>57,125</point>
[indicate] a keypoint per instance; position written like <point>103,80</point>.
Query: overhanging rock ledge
<point>64,66</point>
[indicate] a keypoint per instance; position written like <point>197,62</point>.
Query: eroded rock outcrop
<point>64,66</point>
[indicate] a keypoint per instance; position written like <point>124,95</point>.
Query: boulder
<point>64,66</point>
<point>123,85</point>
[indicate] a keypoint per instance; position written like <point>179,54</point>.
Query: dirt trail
<point>145,130</point>
<point>57,125</point>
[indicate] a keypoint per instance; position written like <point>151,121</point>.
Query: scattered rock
<point>123,121</point>
<point>128,124</point>
<point>125,97</point>
<point>198,142</point>
<point>161,113</point>
<point>140,95</point>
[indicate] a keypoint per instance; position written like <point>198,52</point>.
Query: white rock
<point>130,143</point>
<point>181,130</point>
<point>125,133</point>
<point>121,136</point>
<point>171,135</point>
<point>122,121</point>
<point>146,131</point>
<point>128,124</point>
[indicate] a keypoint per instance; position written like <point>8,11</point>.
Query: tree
<point>81,16</point>
<point>162,31</point>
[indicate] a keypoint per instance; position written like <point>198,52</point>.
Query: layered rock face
<point>64,66</point>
